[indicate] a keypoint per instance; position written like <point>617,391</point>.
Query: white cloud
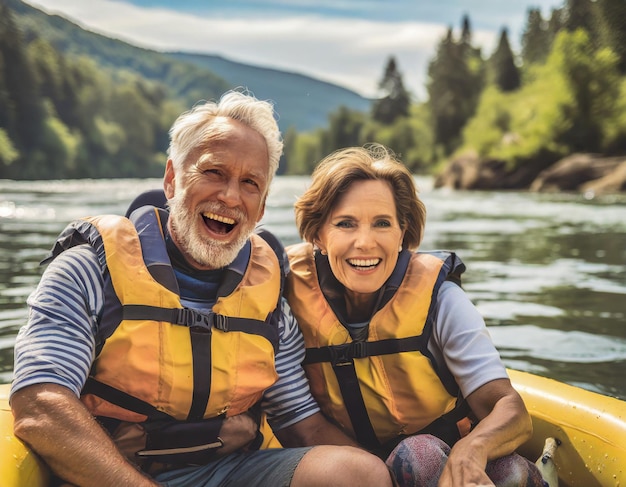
<point>348,52</point>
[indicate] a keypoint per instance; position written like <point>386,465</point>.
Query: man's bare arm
<point>54,423</point>
<point>314,430</point>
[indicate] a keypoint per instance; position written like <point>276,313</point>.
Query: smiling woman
<point>397,355</point>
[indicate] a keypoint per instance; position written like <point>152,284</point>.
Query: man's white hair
<point>190,128</point>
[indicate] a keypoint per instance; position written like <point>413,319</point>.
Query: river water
<point>548,272</point>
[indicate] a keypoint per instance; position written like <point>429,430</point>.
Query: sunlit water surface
<point>548,272</point>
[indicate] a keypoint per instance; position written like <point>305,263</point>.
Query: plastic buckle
<point>359,349</point>
<point>196,321</point>
<point>341,355</point>
<point>220,322</point>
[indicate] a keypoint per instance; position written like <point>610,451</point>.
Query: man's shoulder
<point>83,251</point>
<point>79,259</point>
<point>287,325</point>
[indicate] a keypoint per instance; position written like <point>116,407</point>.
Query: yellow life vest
<point>184,364</point>
<point>401,391</point>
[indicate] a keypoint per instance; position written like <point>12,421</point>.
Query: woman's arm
<point>504,425</point>
<point>464,343</point>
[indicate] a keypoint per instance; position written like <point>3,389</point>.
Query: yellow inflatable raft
<point>19,467</point>
<point>589,428</point>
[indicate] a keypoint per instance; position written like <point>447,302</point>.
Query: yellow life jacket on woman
<point>387,384</point>
<point>178,361</point>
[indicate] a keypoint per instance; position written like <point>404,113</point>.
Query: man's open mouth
<point>218,223</point>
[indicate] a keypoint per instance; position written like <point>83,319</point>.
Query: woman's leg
<point>514,471</point>
<point>418,461</point>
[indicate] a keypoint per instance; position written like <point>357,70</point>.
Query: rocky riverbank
<point>586,173</point>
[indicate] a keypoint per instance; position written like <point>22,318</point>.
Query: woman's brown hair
<point>336,173</point>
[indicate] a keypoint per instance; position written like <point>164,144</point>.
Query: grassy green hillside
<point>301,101</point>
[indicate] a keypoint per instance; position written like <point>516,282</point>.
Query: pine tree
<point>535,38</point>
<point>455,81</point>
<point>612,15</point>
<point>581,14</point>
<point>556,24</point>
<point>505,72</point>
<point>396,101</point>
<point>344,128</point>
<point>466,31</point>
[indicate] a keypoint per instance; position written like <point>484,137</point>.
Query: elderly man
<point>155,342</point>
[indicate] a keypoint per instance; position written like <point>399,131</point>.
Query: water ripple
<point>557,345</point>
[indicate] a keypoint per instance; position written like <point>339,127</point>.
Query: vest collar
<point>334,291</point>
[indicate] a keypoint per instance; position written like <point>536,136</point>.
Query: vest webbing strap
<point>342,359</point>
<point>444,427</point>
<point>202,376</point>
<point>202,386</point>
<point>122,399</point>
<point>353,399</point>
<point>201,322</point>
<point>337,354</point>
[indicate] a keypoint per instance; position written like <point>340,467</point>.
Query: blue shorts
<point>264,468</point>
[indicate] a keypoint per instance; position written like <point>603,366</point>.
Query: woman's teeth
<point>363,262</point>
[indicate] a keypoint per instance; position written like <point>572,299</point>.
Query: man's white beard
<point>203,250</point>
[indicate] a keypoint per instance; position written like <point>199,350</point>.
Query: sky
<point>346,42</point>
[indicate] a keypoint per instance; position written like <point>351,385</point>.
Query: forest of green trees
<point>565,92</point>
<point>63,117</point>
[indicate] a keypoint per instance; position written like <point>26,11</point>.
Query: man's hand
<point>237,432</point>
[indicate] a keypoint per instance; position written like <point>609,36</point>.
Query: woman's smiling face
<point>362,237</point>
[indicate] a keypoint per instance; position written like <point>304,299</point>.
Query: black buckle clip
<point>220,322</point>
<point>197,322</point>
<point>341,355</point>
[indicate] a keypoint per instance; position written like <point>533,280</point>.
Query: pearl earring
<point>400,249</point>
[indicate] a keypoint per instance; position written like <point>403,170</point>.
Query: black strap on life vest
<point>352,350</point>
<point>342,358</point>
<point>202,371</point>
<point>201,322</point>
<point>123,399</point>
<point>355,405</point>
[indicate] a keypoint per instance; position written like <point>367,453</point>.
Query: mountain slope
<point>302,102</point>
<point>297,97</point>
